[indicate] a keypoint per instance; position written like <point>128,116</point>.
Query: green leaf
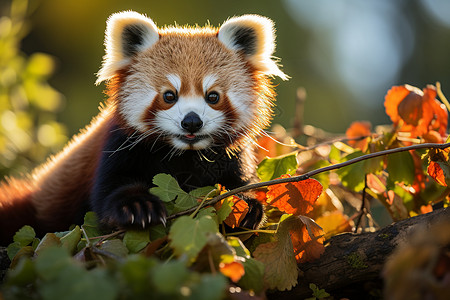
<point>51,262</point>
<point>169,277</point>
<point>281,270</point>
<point>136,240</point>
<point>184,202</point>
<point>224,211</point>
<point>135,272</point>
<point>352,176</point>
<point>91,219</point>
<point>318,293</point>
<point>49,240</point>
<point>13,249</point>
<point>91,226</point>
<point>253,278</point>
<point>25,236</point>
<point>271,168</point>
<point>71,239</point>
<point>400,167</point>
<point>210,287</point>
<point>188,236</point>
<point>167,188</point>
<point>115,247</point>
<point>157,231</point>
<point>23,274</point>
<point>64,279</point>
<point>203,191</point>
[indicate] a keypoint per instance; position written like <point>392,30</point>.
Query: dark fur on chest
<point>120,194</point>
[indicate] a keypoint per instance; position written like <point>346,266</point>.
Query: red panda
<point>188,101</point>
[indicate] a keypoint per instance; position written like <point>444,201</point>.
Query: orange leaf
<point>333,223</point>
<point>233,270</point>
<point>295,198</point>
<point>238,212</point>
<point>436,172</point>
<point>426,209</point>
<point>356,130</point>
<point>439,166</point>
<point>392,100</point>
<point>307,240</point>
<point>416,111</point>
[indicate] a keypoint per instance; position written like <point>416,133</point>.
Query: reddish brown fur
<point>16,209</point>
<point>53,194</point>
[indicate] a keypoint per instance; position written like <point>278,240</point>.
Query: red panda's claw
<point>162,219</point>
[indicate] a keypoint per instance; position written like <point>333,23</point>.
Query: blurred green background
<point>345,53</point>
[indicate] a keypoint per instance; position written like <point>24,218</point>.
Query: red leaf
<point>295,198</point>
<point>416,111</point>
<point>436,172</point>
<point>233,270</point>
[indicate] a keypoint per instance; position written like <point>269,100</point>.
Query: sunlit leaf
<point>400,167</point>
<point>333,223</point>
<point>416,111</point>
<point>167,188</point>
<point>188,236</point>
<point>358,130</point>
<point>307,238</point>
<point>237,208</point>
<point>271,168</point>
<point>295,198</point>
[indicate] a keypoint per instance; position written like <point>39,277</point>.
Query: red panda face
<point>193,88</point>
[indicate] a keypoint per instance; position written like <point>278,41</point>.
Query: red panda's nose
<point>192,122</point>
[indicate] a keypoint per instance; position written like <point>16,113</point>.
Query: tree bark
<point>352,263</point>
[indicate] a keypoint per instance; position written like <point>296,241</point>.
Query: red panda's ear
<point>255,36</point>
<point>127,33</point>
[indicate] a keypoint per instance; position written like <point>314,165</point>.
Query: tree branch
<point>310,174</point>
<point>353,262</point>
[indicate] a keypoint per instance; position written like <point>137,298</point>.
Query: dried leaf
<point>295,198</point>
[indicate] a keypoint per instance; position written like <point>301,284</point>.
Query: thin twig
<point>309,174</point>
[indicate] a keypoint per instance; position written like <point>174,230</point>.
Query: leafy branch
<point>309,174</point>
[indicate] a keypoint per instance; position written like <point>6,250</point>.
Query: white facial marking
<point>209,81</point>
<point>170,121</point>
<point>133,105</point>
<point>175,80</point>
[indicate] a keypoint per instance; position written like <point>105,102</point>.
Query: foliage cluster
<point>197,256</point>
<point>28,126</point>
<point>197,249</point>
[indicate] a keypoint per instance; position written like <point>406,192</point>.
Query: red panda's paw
<point>133,207</point>
<point>255,214</point>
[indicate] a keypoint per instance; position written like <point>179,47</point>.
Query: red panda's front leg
<point>120,194</point>
<point>130,205</point>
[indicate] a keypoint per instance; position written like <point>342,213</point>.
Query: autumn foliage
<point>201,245</point>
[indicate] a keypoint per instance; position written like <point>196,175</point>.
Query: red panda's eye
<point>212,97</point>
<point>170,97</point>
